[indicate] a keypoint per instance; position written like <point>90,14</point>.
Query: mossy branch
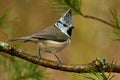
<point>80,68</point>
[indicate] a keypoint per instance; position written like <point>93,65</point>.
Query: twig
<point>81,68</point>
<point>88,16</point>
<point>97,19</point>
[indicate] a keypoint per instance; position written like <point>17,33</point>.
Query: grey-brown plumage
<point>50,33</point>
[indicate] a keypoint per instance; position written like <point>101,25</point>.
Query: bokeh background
<point>90,39</point>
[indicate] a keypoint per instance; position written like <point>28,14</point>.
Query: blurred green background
<point>90,38</point>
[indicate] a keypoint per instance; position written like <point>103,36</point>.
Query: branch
<point>82,68</point>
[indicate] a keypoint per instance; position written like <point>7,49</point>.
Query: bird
<point>54,38</point>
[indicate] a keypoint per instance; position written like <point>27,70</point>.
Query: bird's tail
<point>25,39</point>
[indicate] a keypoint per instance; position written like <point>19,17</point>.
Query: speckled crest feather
<point>64,24</point>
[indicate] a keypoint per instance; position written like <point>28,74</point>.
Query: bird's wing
<point>50,33</point>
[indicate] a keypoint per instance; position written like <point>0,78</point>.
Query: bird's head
<point>64,24</point>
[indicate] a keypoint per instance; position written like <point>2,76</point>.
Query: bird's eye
<point>64,25</point>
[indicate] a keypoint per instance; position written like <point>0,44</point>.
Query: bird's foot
<point>58,62</point>
<point>39,58</point>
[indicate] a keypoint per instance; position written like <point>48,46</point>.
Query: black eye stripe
<point>59,22</point>
<point>62,24</point>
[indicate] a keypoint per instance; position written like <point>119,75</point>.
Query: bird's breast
<point>50,46</point>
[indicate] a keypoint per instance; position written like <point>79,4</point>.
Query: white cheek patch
<point>62,28</point>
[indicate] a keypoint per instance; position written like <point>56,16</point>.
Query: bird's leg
<point>39,56</point>
<point>58,59</point>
